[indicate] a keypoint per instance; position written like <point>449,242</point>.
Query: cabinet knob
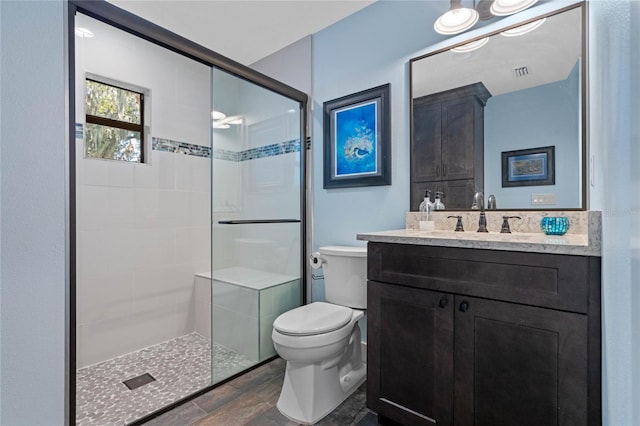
<point>443,302</point>
<point>444,169</point>
<point>438,170</point>
<point>464,306</point>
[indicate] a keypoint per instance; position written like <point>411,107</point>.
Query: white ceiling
<point>243,30</point>
<point>549,52</point>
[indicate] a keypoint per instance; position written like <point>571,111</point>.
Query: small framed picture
<point>357,149</point>
<point>528,167</point>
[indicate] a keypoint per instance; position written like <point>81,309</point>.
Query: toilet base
<point>310,392</point>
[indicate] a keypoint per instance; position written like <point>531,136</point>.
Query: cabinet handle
<point>443,302</point>
<point>464,306</point>
<point>444,169</point>
<point>438,170</point>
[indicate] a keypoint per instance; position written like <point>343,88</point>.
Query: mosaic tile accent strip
<point>180,366</point>
<point>177,147</point>
<point>270,150</point>
<point>226,154</point>
<point>260,152</point>
<point>168,145</point>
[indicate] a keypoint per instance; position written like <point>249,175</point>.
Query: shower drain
<point>138,381</point>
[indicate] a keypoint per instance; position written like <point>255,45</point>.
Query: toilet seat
<point>313,319</point>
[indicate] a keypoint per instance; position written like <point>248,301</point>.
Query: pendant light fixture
<point>509,7</point>
<point>456,20</point>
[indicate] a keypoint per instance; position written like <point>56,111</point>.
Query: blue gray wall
<point>365,50</point>
<point>614,34</point>
<point>33,279</point>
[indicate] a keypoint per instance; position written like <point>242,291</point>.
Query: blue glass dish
<point>554,225</point>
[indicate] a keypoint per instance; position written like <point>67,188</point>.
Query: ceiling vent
<point>521,71</point>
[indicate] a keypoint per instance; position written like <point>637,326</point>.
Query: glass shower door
<point>257,227</point>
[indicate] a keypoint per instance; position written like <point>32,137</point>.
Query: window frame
<point>118,124</point>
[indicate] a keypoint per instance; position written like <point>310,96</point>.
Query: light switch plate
<point>543,199</point>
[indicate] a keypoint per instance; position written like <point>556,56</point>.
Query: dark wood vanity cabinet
<point>447,145</point>
<point>410,375</point>
<point>482,337</point>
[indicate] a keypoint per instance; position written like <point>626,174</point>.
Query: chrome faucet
<point>491,202</point>
<point>478,202</point>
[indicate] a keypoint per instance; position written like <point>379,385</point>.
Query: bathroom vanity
<point>483,330</point>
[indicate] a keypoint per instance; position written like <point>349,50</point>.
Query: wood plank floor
<point>250,400</point>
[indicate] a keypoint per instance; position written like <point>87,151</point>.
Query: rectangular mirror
<point>503,115</point>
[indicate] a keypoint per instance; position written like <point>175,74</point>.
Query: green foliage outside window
<point>114,122</point>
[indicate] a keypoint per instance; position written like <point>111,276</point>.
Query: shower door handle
<point>256,221</point>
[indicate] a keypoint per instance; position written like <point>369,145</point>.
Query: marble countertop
<point>572,244</point>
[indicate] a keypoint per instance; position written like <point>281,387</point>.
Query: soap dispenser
<point>426,207</point>
<point>438,204</point>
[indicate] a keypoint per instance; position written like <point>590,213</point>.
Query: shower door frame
<point>137,26</point>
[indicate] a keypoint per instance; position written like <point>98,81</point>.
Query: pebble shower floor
<point>180,367</point>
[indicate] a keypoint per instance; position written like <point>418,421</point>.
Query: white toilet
<point>321,341</point>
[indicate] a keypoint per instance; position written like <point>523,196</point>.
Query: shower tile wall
<point>256,175</point>
<point>143,230</point>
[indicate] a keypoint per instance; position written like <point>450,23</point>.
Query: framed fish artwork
<point>357,141</point>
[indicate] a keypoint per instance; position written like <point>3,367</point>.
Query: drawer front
<point>546,280</point>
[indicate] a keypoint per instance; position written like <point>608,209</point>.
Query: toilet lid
<point>314,318</point>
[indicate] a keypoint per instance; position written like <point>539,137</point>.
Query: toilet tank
<point>345,275</point>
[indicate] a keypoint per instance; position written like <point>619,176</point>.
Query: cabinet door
<point>458,142</point>
<point>425,150</point>
<point>410,354</point>
<point>519,365</point>
<point>458,194</point>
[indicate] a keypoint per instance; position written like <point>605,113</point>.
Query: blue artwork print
<point>356,140</point>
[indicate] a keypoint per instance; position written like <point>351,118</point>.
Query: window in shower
<point>115,122</point>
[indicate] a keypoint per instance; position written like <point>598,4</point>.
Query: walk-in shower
<point>189,180</point>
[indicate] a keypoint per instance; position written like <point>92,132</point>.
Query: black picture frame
<point>357,139</point>
<point>529,167</point>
